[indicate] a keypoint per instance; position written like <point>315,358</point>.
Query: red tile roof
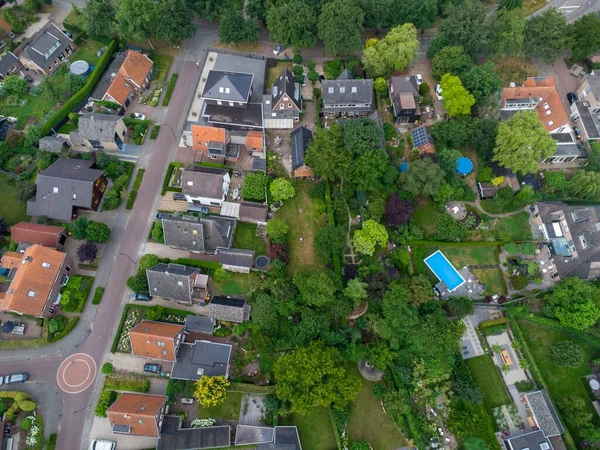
<point>155,340</point>
<point>203,135</point>
<point>135,68</point>
<point>141,412</point>
<point>35,233</point>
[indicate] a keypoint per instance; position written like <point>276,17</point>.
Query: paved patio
<point>168,204</point>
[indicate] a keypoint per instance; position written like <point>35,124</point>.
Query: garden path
<point>477,204</point>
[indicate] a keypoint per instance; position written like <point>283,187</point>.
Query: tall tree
<point>585,185</point>
<point>522,142</point>
<point>509,33</point>
<point>452,59</point>
<point>393,53</point>
<point>325,154</point>
<point>361,135</point>
<point>293,24</point>
<point>340,27</point>
<point>176,21</point>
<point>584,36</point>
<point>314,376</point>
<point>546,36</point>
<point>377,13</point>
<point>576,303</point>
<point>423,178</point>
<point>316,289</point>
<point>421,13</point>
<point>482,81</point>
<point>398,211</point>
<point>468,26</point>
<point>32,135</point>
<point>135,19</point>
<point>371,235</point>
<point>99,17</point>
<point>457,100</point>
<point>233,27</point>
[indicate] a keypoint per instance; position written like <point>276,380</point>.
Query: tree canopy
<point>340,27</point>
<point>293,24</point>
<point>546,36</point>
<point>576,303</point>
<point>423,178</point>
<point>467,25</point>
<point>99,17</point>
<point>482,81</point>
<point>584,36</point>
<point>457,100</point>
<point>509,32</point>
<point>393,53</point>
<point>585,185</point>
<point>369,237</point>
<point>233,27</point>
<point>452,59</point>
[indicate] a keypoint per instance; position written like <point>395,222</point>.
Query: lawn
<point>237,284</point>
<point>368,422</point>
<point>514,228</point>
<point>11,209</point>
<point>67,128</point>
<point>228,410</point>
<point>87,51</point>
<point>245,237</point>
<point>426,215</point>
<point>493,279</point>
<point>488,380</point>
<point>561,381</point>
<point>299,214</point>
<point>466,255</point>
<point>161,67</point>
<point>275,71</point>
<point>316,430</point>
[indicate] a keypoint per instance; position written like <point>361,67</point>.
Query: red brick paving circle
<point>76,373</point>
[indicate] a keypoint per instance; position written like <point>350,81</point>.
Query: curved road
<point>42,364</point>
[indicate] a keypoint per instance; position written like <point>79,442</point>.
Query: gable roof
<point>204,136</point>
<point>228,86</point>
<point>205,234</point>
<point>299,139</point>
<point>173,437</point>
<point>422,139</point>
<point>138,412</point>
<point>35,233</point>
<point>253,211</point>
<point>534,440</point>
<point>136,67</point>
<point>195,360</point>
<point>285,87</point>
<point>203,182</point>
<point>7,62</point>
<point>36,271</point>
<point>254,139</point>
<point>346,90</point>
<point>541,93</point>
<point>48,38</point>
<point>5,27</point>
<point>147,335</point>
<point>97,127</point>
<point>172,281</point>
<point>404,92</point>
<point>229,309</point>
<point>237,257</point>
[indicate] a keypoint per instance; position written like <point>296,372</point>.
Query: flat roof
<point>444,270</point>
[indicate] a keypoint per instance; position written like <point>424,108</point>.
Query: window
<point>354,89</point>
<point>190,183</point>
<point>160,343</point>
<point>289,105</point>
<point>219,102</point>
<point>548,112</point>
<point>31,294</point>
<point>227,90</point>
<point>74,196</point>
<point>221,90</point>
<point>194,231</point>
<point>342,90</point>
<point>281,105</point>
<point>273,114</point>
<point>180,283</point>
<point>330,90</point>
<point>551,122</point>
<point>55,190</point>
<point>267,102</point>
<point>46,265</point>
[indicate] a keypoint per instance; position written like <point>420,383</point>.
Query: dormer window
<point>46,265</point>
<point>31,294</point>
<point>354,90</point>
<point>221,90</point>
<point>551,122</point>
<point>55,190</point>
<point>227,90</point>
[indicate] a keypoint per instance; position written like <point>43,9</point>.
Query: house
<point>236,260</point>
<point>5,29</point>
<point>55,144</point>
<point>572,238</point>
<point>199,324</point>
<point>49,48</point>
<point>347,97</point>
<point>36,277</point>
<point>268,438</point>
<point>177,282</point>
<point>194,360</point>
<point>253,212</point>
<point>99,132</point>
<point>202,235</point>
<point>255,142</point>
<point>215,143</point>
<point>283,106</point>
<point>133,77</point>
<point>534,440</point>
<point>299,140</point>
<point>65,186</point>
<point>137,414</point>
<point>9,64</point>
<point>586,108</point>
<point>205,185</point>
<point>36,233</point>
<point>542,95</point>
<point>422,140</point>
<point>156,340</point>
<point>174,437</point>
<point>544,414</point>
<point>229,309</point>
<point>404,96</point>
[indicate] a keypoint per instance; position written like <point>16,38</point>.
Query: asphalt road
<point>572,9</point>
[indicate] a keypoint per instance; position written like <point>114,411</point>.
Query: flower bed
<point>132,319</point>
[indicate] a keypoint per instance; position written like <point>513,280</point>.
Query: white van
<point>102,444</point>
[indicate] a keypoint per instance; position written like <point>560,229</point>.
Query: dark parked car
<point>160,216</point>
<point>198,209</point>
<point>152,368</point>
<point>141,297</point>
<point>322,78</point>
<point>178,196</point>
<point>572,97</point>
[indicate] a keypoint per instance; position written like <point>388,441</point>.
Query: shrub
<point>27,405</point>
<point>87,252</point>
<point>97,232</point>
<point>107,368</point>
<point>221,274</point>
<point>107,398</point>
<point>156,312</point>
<point>566,354</point>
<point>519,282</point>
<point>526,248</point>
<point>170,88</point>
<point>297,59</point>
<point>360,445</point>
<point>524,386</point>
<point>277,231</point>
<point>98,295</point>
<point>154,132</point>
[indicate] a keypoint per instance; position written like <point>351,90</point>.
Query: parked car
<point>51,310</point>
<point>141,297</point>
<point>178,196</point>
<point>28,78</point>
<point>577,132</point>
<point>68,34</point>
<point>152,368</point>
<point>139,116</point>
<point>102,444</point>
<point>278,49</point>
<point>322,78</point>
<point>1,381</point>
<point>419,79</point>
<point>160,216</point>
<point>438,92</point>
<point>199,209</point>
<point>16,378</point>
<point>572,97</point>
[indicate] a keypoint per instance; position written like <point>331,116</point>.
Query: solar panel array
<point>419,136</point>
<point>299,140</point>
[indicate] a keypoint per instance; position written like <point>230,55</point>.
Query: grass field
<point>87,51</point>
<point>275,71</point>
<point>161,67</point>
<point>229,410</point>
<point>245,237</point>
<point>368,422</point>
<point>11,209</point>
<point>488,380</point>
<point>514,228</point>
<point>465,255</point>
<point>561,381</point>
<point>237,284</point>
<point>316,430</point>
<point>426,216</point>
<point>302,253</point>
<point>493,280</point>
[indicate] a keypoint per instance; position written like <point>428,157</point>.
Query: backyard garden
<point>488,380</point>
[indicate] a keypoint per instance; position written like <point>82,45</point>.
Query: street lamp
<point>195,57</point>
<point>128,257</point>
<point>171,129</point>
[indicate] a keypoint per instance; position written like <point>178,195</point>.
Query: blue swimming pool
<point>444,270</point>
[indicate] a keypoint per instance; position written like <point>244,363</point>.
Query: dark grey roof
<point>201,358</point>
<point>259,164</point>
<point>205,234</point>
<point>250,434</point>
<point>199,324</point>
<point>229,309</point>
<point>403,85</point>
<point>346,91</point>
<point>53,143</point>
<point>7,62</point>
<point>286,438</point>
<point>544,413</point>
<point>250,211</point>
<point>345,75</point>
<point>44,41</point>
<point>108,76</point>
<point>237,257</point>
<point>97,127</point>
<point>171,281</point>
<point>66,184</point>
<point>532,441</point>
<point>206,182</point>
<point>590,121</point>
<point>285,85</point>
<point>299,139</point>
<point>276,113</point>
<point>574,149</point>
<point>228,86</point>
<point>594,81</point>
<point>256,65</point>
<point>173,437</point>
<point>249,116</point>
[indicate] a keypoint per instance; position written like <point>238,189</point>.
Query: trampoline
<point>444,270</point>
<point>262,262</point>
<point>403,167</point>
<point>79,67</point>
<point>531,181</point>
<point>464,166</point>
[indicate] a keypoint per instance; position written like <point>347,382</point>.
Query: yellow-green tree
<point>211,391</point>
<point>393,53</point>
<point>457,100</point>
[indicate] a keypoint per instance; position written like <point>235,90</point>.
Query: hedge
<point>491,323</point>
<point>247,388</point>
<point>154,132</point>
<point>337,266</point>
<point>63,112</point>
<point>70,325</point>
<point>455,244</point>
<point>170,89</point>
<point>336,431</point>
<point>127,384</point>
<point>51,442</point>
<point>98,295</point>
<point>134,189</point>
<point>212,164</point>
<point>170,169</point>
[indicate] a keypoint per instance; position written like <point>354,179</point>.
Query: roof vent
<point>142,408</point>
